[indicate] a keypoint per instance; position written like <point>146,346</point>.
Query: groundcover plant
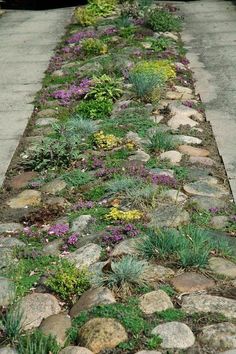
<point>117,230</point>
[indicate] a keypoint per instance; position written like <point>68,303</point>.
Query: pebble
<point>220,336</point>
<point>37,306</point>
<point>56,325</point>
<point>222,266</point>
<point>140,155</point>
<point>25,199</point>
<point>102,333</point>
<point>206,161</point>
<point>10,227</point>
<point>91,298</point>
<point>75,350</point>
<point>81,223</point>
<point>58,73</point>
<point>175,335</point>
<point>207,187</point>
<point>170,35</point>
<point>193,151</point>
<point>53,187</point>
<point>173,156</point>
<point>86,255</point>
<point>155,301</point>
<point>190,282</point>
<point>7,291</point>
<point>208,303</point>
<point>22,180</point>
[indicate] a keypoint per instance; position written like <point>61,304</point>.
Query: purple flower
<point>138,21</point>
<point>73,92</point>
<point>214,210</point>
<point>83,205</point>
<point>164,180</point>
<point>106,172</point>
<point>97,163</point>
<point>81,35</point>
<point>109,31</point>
<point>58,229</point>
<point>27,230</point>
<point>72,239</point>
<point>188,104</point>
<point>184,61</point>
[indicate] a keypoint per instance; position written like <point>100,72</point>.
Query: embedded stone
<point>10,242</point>
<point>7,350</point>
<point>219,221</point>
<point>175,335</point>
<point>186,139</point>
<point>6,257</point>
<point>102,333</point>
<point>10,227</point>
<point>172,155</point>
<point>220,336</point>
<point>7,291</point>
<point>125,247</point>
<point>37,306</point>
<point>170,35</point>
<point>22,180</point>
<point>42,122</point>
<point>175,196</point>
<point>59,201</point>
<point>58,73</point>
<point>49,112</point>
<point>193,151</point>
<point>179,110</point>
<point>206,161</point>
<point>53,248</point>
<point>75,350</point>
<point>222,266</point>
<point>53,187</point>
<point>25,199</point>
<point>140,155</point>
<point>148,352</point>
<point>57,326</point>
<point>207,187</point>
<point>209,202</point>
<point>190,282</point>
<point>178,120</point>
<point>91,298</point>
<point>208,303</point>
<point>81,223</point>
<point>154,273</point>
<point>86,255</point>
<point>155,301</point>
<point>168,216</point>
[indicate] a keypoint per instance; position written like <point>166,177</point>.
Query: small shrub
<point>102,7</point>
<point>94,109</point>
<point>127,32</point>
<point>162,21</point>
<point>147,86</point>
<point>12,321</point>
<point>161,141</point>
<point>163,68</point>
<point>68,281</point>
<point>93,46</point>
<point>37,343</point>
<point>85,16</point>
<point>77,178</point>
<point>105,87</point>
<point>125,273</point>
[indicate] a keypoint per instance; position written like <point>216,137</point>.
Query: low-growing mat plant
<point>77,178</point>
<point>94,109</point>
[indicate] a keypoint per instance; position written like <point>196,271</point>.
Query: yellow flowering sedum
<point>162,67</point>
<point>116,214</point>
<point>106,141</point>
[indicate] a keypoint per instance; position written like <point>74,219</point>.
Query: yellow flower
<point>164,67</point>
<point>106,141</point>
<point>116,214</point>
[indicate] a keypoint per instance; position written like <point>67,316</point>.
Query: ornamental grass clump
<point>146,85</point>
<point>161,141</point>
<point>122,183</point>
<point>12,323</point>
<point>37,343</point>
<point>163,21</point>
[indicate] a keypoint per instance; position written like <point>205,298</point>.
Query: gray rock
<point>125,247</point>
<point>86,255</point>
<point>53,248</point>
<point>207,187</point>
<point>6,257</point>
<point>56,325</point>
<point>9,242</point>
<point>168,216</point>
<point>222,266</point>
<point>220,336</point>
<point>49,112</point>
<point>178,120</point>
<point>7,350</point>
<point>209,303</point>
<point>175,335</point>
<point>25,199</point>
<point>75,350</point>
<point>186,139</point>
<point>81,223</point>
<point>173,156</point>
<point>208,202</point>
<point>53,187</point>
<point>154,273</point>
<point>155,301</point>
<point>7,291</point>
<point>91,298</point>
<point>190,282</point>
<point>140,155</point>
<point>42,122</point>
<point>219,221</point>
<point>175,195</point>
<point>10,227</point>
<point>37,306</point>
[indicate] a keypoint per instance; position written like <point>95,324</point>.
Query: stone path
<point>210,37</point>
<point>27,40</point>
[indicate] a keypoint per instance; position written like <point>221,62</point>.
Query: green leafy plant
<point>124,273</point>
<point>154,342</point>
<point>105,87</point>
<point>161,141</point>
<point>94,109</point>
<point>77,178</point>
<point>96,193</point>
<point>170,315</point>
<point>160,44</point>
<point>146,85</point>
<point>11,322</point>
<point>102,7</point>
<point>127,31</point>
<point>93,46</point>
<point>67,281</point>
<point>162,21</point>
<point>85,16</point>
<point>123,21</point>
<point>37,343</point>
